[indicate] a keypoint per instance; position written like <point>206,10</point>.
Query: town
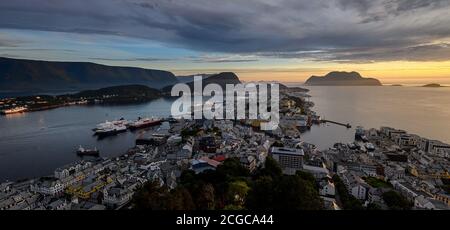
<point>384,168</point>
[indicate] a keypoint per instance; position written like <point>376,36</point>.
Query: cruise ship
<point>107,124</point>
<point>144,122</point>
<point>110,128</point>
<point>14,110</point>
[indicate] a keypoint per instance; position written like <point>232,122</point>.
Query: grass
<point>377,183</point>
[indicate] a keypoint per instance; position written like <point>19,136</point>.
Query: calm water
<point>423,111</point>
<point>34,144</point>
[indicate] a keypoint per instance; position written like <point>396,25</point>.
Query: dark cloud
<point>353,30</point>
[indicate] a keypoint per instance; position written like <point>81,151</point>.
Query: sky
<point>396,41</point>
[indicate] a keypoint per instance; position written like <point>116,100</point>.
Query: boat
<point>14,110</point>
<point>106,124</point>
<point>110,130</point>
<point>370,147</point>
<point>144,122</point>
<point>87,152</point>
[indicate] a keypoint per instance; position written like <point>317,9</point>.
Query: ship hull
<point>109,133</point>
<point>145,125</point>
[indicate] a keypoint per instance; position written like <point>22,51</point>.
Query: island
<point>433,85</point>
<point>342,79</point>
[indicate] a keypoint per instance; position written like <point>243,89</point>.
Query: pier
<point>348,126</point>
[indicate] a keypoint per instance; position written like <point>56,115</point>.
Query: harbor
<point>162,152</point>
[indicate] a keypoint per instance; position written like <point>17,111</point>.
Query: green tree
<point>237,192</point>
<point>294,193</point>
<point>271,169</point>
<point>395,201</point>
<point>261,194</point>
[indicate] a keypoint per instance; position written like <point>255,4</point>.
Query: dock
<point>348,126</point>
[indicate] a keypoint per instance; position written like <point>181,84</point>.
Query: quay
<point>348,126</point>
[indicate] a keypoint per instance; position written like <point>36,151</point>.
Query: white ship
<point>110,128</point>
<point>14,110</point>
<point>107,124</point>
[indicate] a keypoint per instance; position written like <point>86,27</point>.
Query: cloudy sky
<point>397,41</point>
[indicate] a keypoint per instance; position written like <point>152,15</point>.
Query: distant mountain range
<point>342,79</point>
<point>189,78</point>
<point>221,79</point>
<point>35,76</point>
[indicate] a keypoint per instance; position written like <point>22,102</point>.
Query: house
<point>116,196</point>
<point>422,202</point>
<point>204,164</point>
<point>48,186</point>
<point>318,172</point>
<point>394,172</point>
<point>208,144</point>
<point>248,162</point>
<point>356,186</point>
<point>443,198</point>
<point>407,192</point>
<point>61,173</point>
<point>327,189</point>
<point>59,204</point>
<point>375,195</point>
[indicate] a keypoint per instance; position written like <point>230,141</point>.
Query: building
<point>289,159</point>
<point>317,171</point>
<point>204,164</point>
<point>356,186</point>
<point>443,198</point>
<point>248,162</point>
<point>116,197</point>
<point>327,189</point>
<point>409,193</point>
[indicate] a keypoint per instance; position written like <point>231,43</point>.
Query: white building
<point>290,160</point>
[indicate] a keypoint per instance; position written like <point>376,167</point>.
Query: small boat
<point>87,152</point>
<point>370,147</point>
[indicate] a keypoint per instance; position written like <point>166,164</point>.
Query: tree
<point>180,199</point>
<point>237,192</point>
<point>373,206</point>
<point>294,193</point>
<point>271,168</point>
<point>206,197</point>
<point>151,196</point>
<point>395,201</point>
<point>261,194</point>
<point>232,167</point>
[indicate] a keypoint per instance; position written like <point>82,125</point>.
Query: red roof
<point>219,158</point>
